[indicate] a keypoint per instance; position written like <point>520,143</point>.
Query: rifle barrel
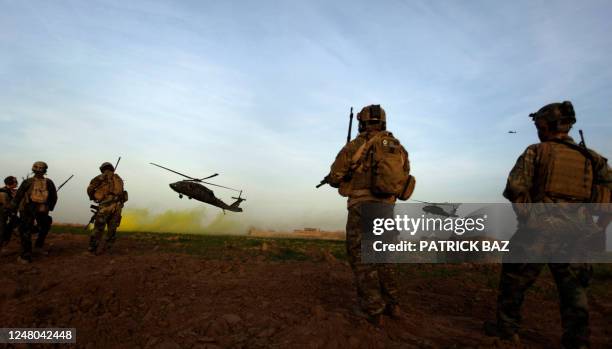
<point>66,181</point>
<point>582,139</point>
<point>348,137</point>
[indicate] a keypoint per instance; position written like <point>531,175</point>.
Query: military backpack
<point>384,158</point>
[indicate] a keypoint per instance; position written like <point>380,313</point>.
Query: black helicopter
<point>193,189</point>
<point>435,208</point>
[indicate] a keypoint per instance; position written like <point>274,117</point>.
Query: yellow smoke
<point>185,221</point>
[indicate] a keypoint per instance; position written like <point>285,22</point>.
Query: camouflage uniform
<point>376,286</point>
<point>31,212</point>
<point>107,190</point>
<point>523,186</point>
<point>8,220</point>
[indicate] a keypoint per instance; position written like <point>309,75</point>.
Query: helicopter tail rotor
<point>239,197</point>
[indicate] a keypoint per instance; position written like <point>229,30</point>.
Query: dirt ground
<point>165,293</point>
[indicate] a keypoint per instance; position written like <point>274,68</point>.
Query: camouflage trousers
<point>572,281</point>
<point>109,218</point>
<point>8,223</point>
<point>376,285</point>
<point>29,216</point>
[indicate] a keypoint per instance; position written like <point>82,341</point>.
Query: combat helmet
<point>373,112</point>
<point>107,165</point>
<point>372,117</point>
<point>39,167</point>
<point>10,180</point>
<point>555,115</point>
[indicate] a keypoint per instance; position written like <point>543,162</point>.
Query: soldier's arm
<point>604,178</point>
<point>91,188</point>
<point>520,180</point>
<point>604,173</point>
<point>21,192</point>
<point>407,163</point>
<point>4,200</point>
<point>340,168</point>
<point>52,200</point>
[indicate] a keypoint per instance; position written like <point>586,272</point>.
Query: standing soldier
<point>359,174</point>
<point>8,220</point>
<point>107,191</point>
<point>35,198</point>
<point>557,170</point>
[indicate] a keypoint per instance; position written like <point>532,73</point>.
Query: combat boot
<point>40,251</point>
<point>377,320</point>
<point>394,311</point>
<point>107,248</point>
<point>492,329</point>
<point>93,245</point>
<point>24,260</point>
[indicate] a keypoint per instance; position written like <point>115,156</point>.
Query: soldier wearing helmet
<point>353,176</point>
<point>35,198</point>
<point>556,170</point>
<point>108,192</point>
<point>8,220</point>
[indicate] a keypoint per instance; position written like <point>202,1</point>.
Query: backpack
<point>385,158</point>
<point>110,185</point>
<point>38,192</point>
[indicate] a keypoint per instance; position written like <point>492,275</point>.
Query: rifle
<point>94,209</point>
<point>117,164</point>
<point>63,184</point>
<point>348,140</point>
<point>348,137</point>
<point>582,144</point>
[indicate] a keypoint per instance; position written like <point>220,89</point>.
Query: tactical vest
<point>38,192</point>
<point>563,173</point>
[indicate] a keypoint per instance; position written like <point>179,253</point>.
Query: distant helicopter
<point>435,209</point>
<point>511,131</point>
<point>193,189</point>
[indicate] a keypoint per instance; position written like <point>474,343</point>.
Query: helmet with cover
<point>39,167</point>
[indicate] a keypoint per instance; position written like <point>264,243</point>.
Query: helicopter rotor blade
<point>173,171</point>
<point>217,185</point>
<point>211,176</point>
<point>423,202</point>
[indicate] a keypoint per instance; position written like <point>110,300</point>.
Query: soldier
<point>107,191</point>
<point>8,220</point>
<point>552,171</point>
<point>376,286</point>
<point>35,198</point>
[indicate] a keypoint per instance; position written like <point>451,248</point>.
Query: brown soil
<point>143,296</point>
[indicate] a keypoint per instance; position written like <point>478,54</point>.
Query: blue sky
<point>260,92</point>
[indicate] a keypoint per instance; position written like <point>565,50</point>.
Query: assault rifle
<point>582,144</point>
<point>63,184</point>
<point>94,209</point>
<point>348,140</point>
